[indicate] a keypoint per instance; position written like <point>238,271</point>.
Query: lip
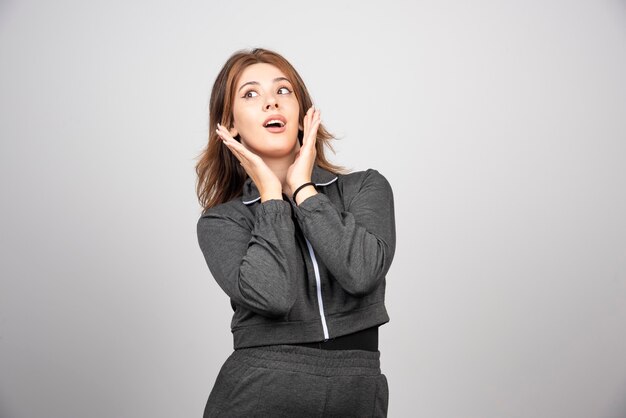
<point>276,117</point>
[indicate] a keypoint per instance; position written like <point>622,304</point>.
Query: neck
<point>279,167</point>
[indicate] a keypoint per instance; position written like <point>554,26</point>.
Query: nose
<point>271,102</point>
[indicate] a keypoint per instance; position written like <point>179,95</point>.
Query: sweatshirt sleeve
<point>356,245</point>
<point>254,266</point>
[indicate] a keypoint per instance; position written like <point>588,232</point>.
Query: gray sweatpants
<point>295,381</point>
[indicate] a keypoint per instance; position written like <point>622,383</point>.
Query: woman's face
<point>263,94</point>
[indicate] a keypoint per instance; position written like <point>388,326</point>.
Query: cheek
<point>293,111</point>
<point>242,119</point>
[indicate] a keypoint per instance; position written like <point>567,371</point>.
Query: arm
<point>254,267</point>
<point>356,245</point>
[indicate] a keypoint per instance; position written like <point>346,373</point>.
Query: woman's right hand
<point>264,179</point>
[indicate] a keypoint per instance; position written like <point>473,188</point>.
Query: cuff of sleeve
<point>273,207</point>
<point>310,205</point>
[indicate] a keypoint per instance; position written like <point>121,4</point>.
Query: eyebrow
<point>257,83</point>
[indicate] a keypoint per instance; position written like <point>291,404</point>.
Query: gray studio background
<point>500,125</point>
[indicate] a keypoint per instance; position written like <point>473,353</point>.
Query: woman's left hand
<point>300,171</point>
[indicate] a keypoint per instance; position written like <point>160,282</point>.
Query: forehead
<point>260,72</point>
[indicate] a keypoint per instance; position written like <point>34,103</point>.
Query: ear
<point>233,132</point>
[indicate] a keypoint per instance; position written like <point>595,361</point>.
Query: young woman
<point>299,246</point>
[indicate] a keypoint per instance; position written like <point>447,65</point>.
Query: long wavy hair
<point>220,176</point>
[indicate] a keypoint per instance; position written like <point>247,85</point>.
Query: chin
<point>278,152</point>
<point>275,146</point>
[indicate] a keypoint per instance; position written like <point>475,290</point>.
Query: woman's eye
<point>248,94</point>
<point>285,89</point>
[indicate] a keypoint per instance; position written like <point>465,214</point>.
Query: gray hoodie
<point>306,273</point>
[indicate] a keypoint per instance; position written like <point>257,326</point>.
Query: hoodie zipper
<point>319,288</point>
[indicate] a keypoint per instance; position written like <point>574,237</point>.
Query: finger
<point>223,132</point>
<point>244,152</point>
<point>245,163</point>
<point>233,144</point>
<point>305,127</point>
<point>233,151</point>
<point>224,135</point>
<point>307,124</point>
<point>307,118</point>
<point>312,138</point>
<point>230,143</point>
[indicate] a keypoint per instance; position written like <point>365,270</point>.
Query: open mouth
<point>274,123</point>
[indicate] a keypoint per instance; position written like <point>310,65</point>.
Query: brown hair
<point>220,176</point>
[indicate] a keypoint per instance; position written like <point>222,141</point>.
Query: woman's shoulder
<point>362,178</point>
<point>365,187</point>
